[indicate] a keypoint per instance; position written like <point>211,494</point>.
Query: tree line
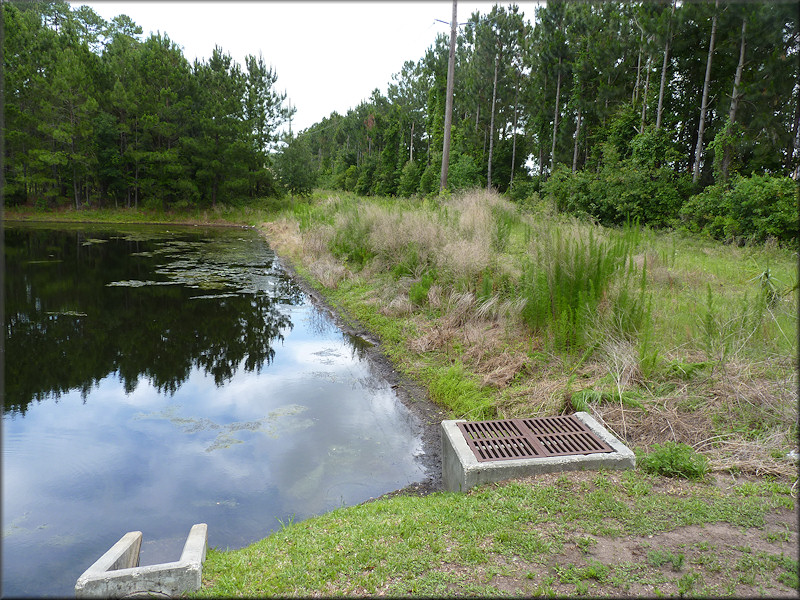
<point>662,111</point>
<point>95,115</point>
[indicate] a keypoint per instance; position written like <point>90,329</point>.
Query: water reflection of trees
<point>67,330</point>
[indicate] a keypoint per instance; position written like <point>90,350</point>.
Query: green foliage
<point>573,574</point>
<point>659,557</point>
<point>686,370</point>
<point>95,115</point>
<point>464,173</point>
<point>504,222</point>
<point>653,148</point>
<point>294,166</point>
<point>350,178</point>
<point>418,293</point>
<point>523,190</point>
<point>673,459</point>
<point>365,183</point>
<point>351,242</point>
<point>409,179</point>
<point>430,179</point>
<point>755,208</point>
<point>619,192</point>
<point>763,206</point>
<point>565,283</point>
<point>453,388</point>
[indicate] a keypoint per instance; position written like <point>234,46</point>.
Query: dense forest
<point>676,114</point>
<point>94,115</point>
<point>673,113</point>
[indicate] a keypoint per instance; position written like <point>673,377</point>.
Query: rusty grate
<point>510,439</point>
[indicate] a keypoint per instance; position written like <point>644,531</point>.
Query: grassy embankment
<point>243,214</point>
<point>673,339</point>
<point>505,312</point>
<point>502,313</point>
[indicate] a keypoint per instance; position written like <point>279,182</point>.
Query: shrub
<point>464,174</point>
<point>523,190</point>
<point>429,181</point>
<point>351,241</point>
<point>756,207</point>
<point>622,191</point>
<point>763,206</point>
<point>673,459</point>
<point>409,179</point>
<point>705,211</point>
<point>653,148</point>
<point>350,178</point>
<point>418,293</point>
<point>366,176</point>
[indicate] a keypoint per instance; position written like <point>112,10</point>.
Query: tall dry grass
<point>539,307</point>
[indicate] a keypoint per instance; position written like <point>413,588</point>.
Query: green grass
<point>246,213</point>
<point>455,544</point>
<point>454,389</point>
<point>673,459</point>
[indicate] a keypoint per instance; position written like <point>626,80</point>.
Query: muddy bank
<point>411,394</point>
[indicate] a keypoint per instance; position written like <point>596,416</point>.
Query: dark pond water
<point>161,377</point>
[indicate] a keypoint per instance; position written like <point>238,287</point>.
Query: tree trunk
<point>136,188</point>
<point>644,96</point>
<point>491,122</point>
<point>514,135</point>
<point>737,80</point>
<point>635,93</point>
<point>448,111</point>
<point>541,160</point>
<point>704,103</point>
<point>664,69</point>
<point>75,190</point>
<point>555,118</point>
<point>794,154</point>
<point>411,145</point>
<point>577,135</point>
<point>541,134</point>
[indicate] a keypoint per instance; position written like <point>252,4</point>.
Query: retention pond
<point>157,377</point>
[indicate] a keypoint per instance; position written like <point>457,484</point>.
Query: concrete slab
<point>462,471</point>
<point>117,573</point>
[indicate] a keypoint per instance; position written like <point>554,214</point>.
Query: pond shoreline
<point>411,394</point>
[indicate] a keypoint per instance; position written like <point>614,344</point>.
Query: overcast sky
<point>327,55</point>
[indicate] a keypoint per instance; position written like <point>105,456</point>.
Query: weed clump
<point>673,459</point>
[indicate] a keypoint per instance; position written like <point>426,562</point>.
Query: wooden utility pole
<point>448,111</point>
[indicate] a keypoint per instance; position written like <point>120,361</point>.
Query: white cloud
<point>328,55</point>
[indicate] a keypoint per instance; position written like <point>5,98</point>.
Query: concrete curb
<point>462,471</point>
<point>117,573</point>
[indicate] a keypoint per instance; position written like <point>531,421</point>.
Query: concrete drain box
<point>480,452</point>
<point>117,573</point>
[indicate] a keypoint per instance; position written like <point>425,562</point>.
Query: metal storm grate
<point>499,440</point>
<point>510,439</point>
